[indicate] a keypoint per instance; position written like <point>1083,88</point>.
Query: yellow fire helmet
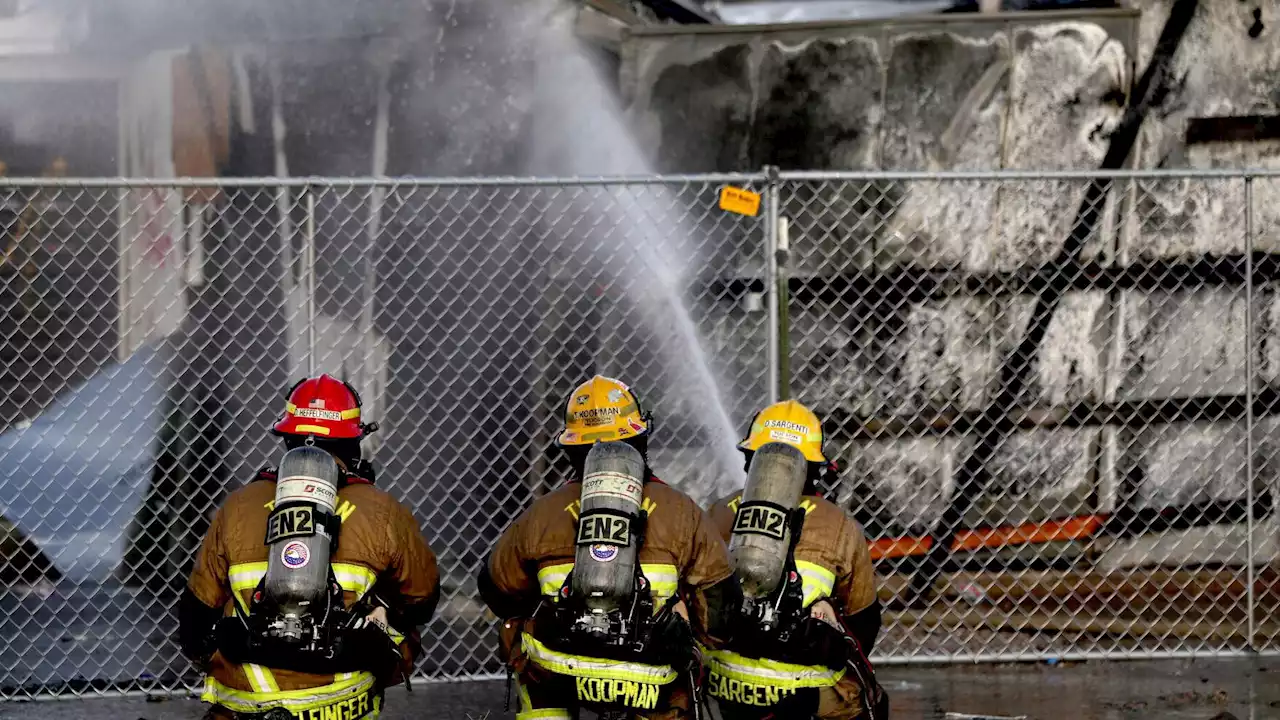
<point>787,422</point>
<point>603,409</point>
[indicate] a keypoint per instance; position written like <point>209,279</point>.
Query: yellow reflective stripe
<point>759,671</point>
<point>586,667</point>
<point>525,702</point>
<point>245,576</point>
<point>816,580</point>
<point>317,429</point>
<point>294,701</point>
<point>354,578</point>
<point>260,679</point>
<point>551,578</point>
<point>548,714</point>
<point>663,577</point>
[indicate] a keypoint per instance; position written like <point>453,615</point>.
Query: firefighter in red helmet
<point>383,577</point>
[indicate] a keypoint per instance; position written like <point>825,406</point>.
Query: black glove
<point>363,469</point>
<point>233,639</point>
<point>674,640</point>
<point>197,623</point>
<point>882,703</point>
<point>820,642</point>
<point>367,646</point>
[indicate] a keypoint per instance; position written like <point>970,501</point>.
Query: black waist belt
<point>573,643</point>
<point>285,656</point>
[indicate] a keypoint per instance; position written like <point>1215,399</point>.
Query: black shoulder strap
<point>790,570</point>
<point>796,520</point>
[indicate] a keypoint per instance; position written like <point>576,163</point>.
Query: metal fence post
<point>310,259</point>
<point>771,280</point>
<point>1250,347</point>
<point>782,251</point>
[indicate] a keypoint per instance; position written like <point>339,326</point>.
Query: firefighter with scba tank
<point>311,583</point>
<point>607,584</point>
<point>809,614</point>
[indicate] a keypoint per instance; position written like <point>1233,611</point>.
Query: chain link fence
<point>1051,397</point>
<point>1054,396</point>
<point>150,350</point>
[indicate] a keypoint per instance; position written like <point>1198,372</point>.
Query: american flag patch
<point>316,404</point>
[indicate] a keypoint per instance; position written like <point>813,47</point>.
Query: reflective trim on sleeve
<point>759,671</point>
<point>600,669</point>
<point>295,701</point>
<point>246,576</point>
<point>664,578</point>
<point>816,581</point>
<point>551,578</point>
<point>360,580</point>
<point>354,578</point>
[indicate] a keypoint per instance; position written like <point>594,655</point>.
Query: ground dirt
<point>1245,689</point>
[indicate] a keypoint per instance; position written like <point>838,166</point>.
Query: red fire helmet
<point>322,406</point>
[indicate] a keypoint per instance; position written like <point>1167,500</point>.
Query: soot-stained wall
<point>1025,92</point>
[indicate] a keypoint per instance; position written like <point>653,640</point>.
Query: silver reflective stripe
<point>817,581</point>
<point>551,578</point>
<point>354,578</point>
<point>291,700</point>
<point>664,578</point>
<point>582,666</point>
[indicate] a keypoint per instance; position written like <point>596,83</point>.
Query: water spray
<point>586,135</point>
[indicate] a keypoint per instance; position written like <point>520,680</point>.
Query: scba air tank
<point>298,537</point>
<point>604,568</point>
<point>761,528</point>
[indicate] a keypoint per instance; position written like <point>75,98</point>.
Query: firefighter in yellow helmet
<point>607,585</point>
<point>809,615</point>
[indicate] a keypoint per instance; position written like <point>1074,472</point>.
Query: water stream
<point>580,131</point>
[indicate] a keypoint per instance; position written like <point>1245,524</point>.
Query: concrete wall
<point>1016,91</point>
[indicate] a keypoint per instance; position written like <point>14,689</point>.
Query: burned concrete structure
<point>907,294</point>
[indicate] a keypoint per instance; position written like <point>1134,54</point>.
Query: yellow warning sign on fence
<point>737,200</point>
